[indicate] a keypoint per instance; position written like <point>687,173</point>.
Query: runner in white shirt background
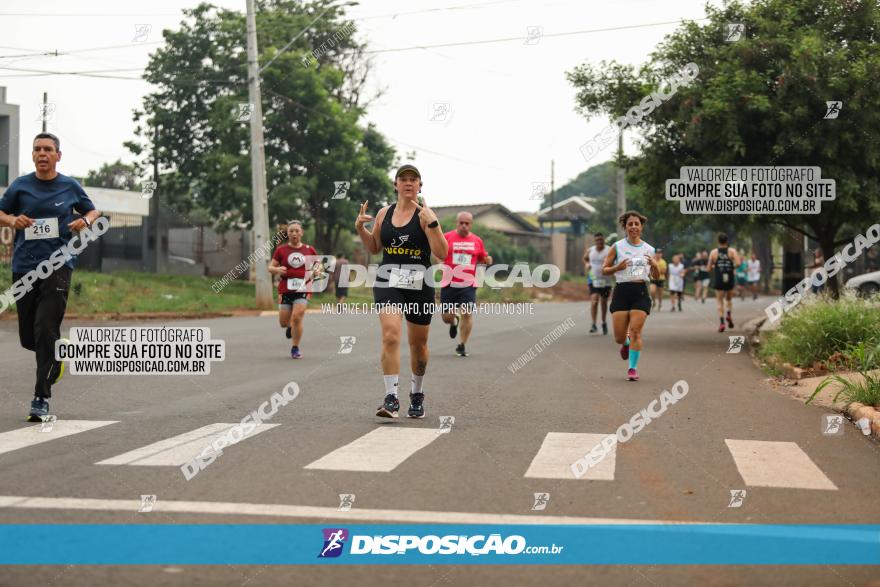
<point>600,286</point>
<point>753,275</point>
<point>677,273</point>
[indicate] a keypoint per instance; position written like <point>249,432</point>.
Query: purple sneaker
<point>624,351</point>
<point>295,354</point>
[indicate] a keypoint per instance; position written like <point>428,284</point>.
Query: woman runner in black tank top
<point>407,243</point>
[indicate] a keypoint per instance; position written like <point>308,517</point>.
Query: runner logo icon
<point>403,239</point>
<point>736,344</point>
<point>334,540</point>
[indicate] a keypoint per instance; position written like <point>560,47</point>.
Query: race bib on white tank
<point>638,268</point>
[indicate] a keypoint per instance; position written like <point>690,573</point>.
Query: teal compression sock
<point>634,358</point>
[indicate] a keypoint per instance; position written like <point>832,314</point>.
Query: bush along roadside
<point>864,360</point>
<point>825,335</point>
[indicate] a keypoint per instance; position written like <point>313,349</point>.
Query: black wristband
<point>434,224</point>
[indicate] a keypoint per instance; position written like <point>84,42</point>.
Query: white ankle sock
<point>391,384</point>
<point>417,383</point>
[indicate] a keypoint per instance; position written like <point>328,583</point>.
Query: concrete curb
<point>796,373</point>
<point>855,410</point>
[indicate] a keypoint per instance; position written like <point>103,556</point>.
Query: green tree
<point>313,99</point>
<point>759,101</point>
<point>116,175</point>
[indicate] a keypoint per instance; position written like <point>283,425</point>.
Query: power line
<point>57,53</point>
<point>398,49</point>
<point>45,53</point>
<point>439,9</point>
<point>98,73</point>
<point>298,35</point>
<point>88,14</point>
<point>125,14</point>
<point>508,39</point>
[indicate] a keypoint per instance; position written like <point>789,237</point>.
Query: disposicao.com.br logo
<point>431,544</point>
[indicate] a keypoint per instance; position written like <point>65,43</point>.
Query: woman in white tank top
<point>631,261</point>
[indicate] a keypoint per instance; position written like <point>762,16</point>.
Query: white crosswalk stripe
<point>380,450</point>
<point>560,449</point>
<point>776,464</point>
<point>759,463</point>
<point>180,449</point>
<point>40,433</point>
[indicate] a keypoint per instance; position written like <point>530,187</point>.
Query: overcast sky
<point>511,110</point>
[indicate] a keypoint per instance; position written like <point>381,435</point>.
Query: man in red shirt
<point>458,296</point>
<point>290,262</point>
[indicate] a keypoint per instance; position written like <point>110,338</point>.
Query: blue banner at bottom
<point>382,544</point>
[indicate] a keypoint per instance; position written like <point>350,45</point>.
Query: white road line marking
<point>32,435</point>
<point>382,449</point>
<point>776,464</point>
<point>303,511</point>
<point>180,449</point>
<point>560,449</point>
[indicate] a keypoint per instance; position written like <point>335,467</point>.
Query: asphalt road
<point>511,431</point>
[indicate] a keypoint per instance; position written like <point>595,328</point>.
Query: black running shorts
<point>415,304</point>
<point>289,298</point>
<point>602,291</point>
<point>631,296</point>
<point>460,296</point>
<point>719,284</point>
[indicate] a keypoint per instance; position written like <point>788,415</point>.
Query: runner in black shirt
<point>722,262</point>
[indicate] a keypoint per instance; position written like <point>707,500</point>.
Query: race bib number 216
<point>42,228</point>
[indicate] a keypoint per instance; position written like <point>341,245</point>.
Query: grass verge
<point>824,332</point>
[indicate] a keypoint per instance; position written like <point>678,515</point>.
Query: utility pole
<point>621,194</point>
<point>153,240</point>
<point>552,193</point>
<point>258,164</point>
<point>45,103</point>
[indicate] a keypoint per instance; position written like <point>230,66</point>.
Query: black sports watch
<point>434,224</point>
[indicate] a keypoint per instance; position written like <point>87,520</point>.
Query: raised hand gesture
<point>426,214</point>
<point>363,217</point>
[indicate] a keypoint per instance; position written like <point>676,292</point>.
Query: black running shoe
<point>604,328</point>
<point>729,321</point>
<point>39,409</point>
<point>459,350</point>
<point>453,328</point>
<point>57,372</point>
<point>389,407</point>
<point>593,329</point>
<point>287,332</point>
<point>416,405</point>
